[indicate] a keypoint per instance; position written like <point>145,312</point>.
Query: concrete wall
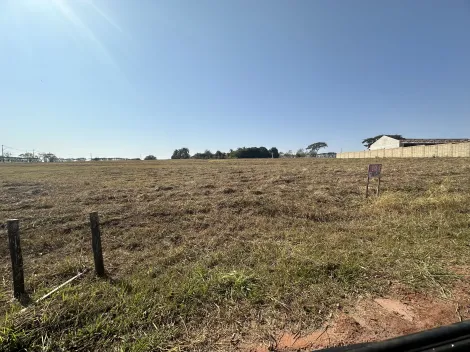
<point>385,142</point>
<point>419,151</point>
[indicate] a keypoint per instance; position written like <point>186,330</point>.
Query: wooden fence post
<point>13,227</point>
<point>96,243</point>
<point>367,187</point>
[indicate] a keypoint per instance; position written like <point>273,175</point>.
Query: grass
<point>202,256</point>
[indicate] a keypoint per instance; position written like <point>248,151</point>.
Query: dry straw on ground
<point>205,256</point>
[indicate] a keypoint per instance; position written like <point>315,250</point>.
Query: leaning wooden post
<point>367,187</point>
<point>96,243</point>
<point>13,227</point>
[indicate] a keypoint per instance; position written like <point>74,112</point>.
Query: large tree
<point>150,157</point>
<point>274,152</point>
<point>182,153</point>
<point>315,147</point>
<point>369,141</point>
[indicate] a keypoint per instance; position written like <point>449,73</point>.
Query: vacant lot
<point>221,255</point>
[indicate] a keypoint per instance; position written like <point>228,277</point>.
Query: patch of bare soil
<point>375,319</point>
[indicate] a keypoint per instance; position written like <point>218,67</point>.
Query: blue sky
<point>130,78</point>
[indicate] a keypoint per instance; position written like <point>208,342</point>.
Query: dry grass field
<point>221,255</point>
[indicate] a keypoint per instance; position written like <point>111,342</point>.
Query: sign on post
<point>375,171</point>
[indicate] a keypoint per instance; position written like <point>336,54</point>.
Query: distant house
<point>386,142</point>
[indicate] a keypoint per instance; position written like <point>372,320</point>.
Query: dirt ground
<point>372,319</point>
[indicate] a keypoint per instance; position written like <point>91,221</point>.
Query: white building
<point>386,142</point>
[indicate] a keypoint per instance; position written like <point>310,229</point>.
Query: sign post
<point>374,171</point>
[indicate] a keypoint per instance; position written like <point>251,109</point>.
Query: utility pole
<point>3,159</point>
<point>91,157</point>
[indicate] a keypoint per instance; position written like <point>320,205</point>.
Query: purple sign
<point>374,170</point>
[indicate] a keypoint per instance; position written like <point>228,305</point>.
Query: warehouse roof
<point>433,141</point>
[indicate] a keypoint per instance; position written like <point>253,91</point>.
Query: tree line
<point>183,153</point>
<point>262,152</point>
<point>40,157</point>
<point>249,153</point>
<point>240,153</point>
<point>52,158</point>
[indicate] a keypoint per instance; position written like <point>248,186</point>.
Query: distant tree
<point>264,152</point>
<point>5,156</point>
<point>198,156</point>
<point>29,156</point>
<point>208,154</point>
<point>300,153</point>
<point>182,153</point>
<point>219,155</point>
<point>252,152</point>
<point>274,152</point>
<point>369,141</point>
<point>288,154</point>
<point>49,158</point>
<point>315,147</point>
<point>150,157</point>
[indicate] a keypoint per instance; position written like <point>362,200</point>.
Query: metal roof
<point>433,141</point>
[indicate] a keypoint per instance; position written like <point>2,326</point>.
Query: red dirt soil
<point>376,319</point>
